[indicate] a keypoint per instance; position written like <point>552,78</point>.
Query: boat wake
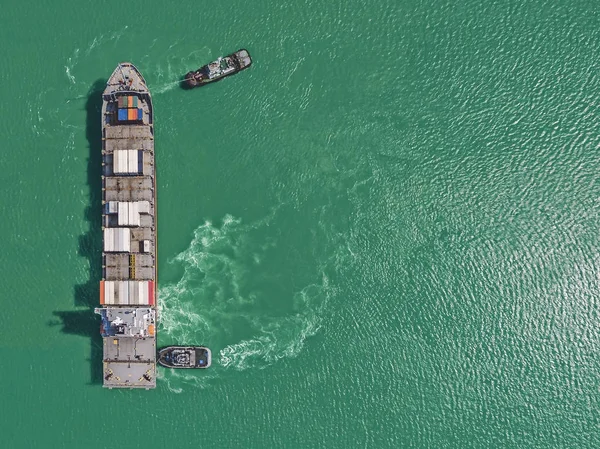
<point>279,337</point>
<point>223,299</point>
<point>174,379</point>
<point>166,87</point>
<point>164,73</point>
<point>74,59</point>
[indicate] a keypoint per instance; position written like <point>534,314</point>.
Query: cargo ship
<point>128,285</point>
<point>185,357</point>
<point>219,69</point>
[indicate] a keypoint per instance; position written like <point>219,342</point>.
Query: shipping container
<point>124,293</point>
<point>122,215</point>
<point>129,102</point>
<point>131,292</point>
<point>123,297</point>
<point>151,293</point>
<point>131,214</point>
<point>125,240</point>
<point>122,115</point>
<point>108,293</point>
<point>131,114</point>
<point>133,161</point>
<point>128,214</point>
<point>117,240</point>
<point>140,114</point>
<point>120,162</point>
<point>135,102</point>
<point>101,292</point>
<point>126,161</point>
<point>136,214</point>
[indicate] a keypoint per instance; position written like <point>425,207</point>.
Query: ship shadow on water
<point>84,321</point>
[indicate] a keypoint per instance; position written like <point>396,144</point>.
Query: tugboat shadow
<point>85,322</point>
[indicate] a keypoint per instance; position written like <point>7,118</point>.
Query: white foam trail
<point>168,73</point>
<point>95,42</point>
<point>206,303</point>
<point>73,60</point>
<point>280,337</point>
<point>175,379</point>
<point>68,72</point>
<point>165,87</point>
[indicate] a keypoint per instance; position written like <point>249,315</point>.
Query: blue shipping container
<point>122,115</point>
<point>140,114</point>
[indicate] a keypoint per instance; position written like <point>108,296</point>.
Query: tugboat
<point>184,357</point>
<point>219,69</point>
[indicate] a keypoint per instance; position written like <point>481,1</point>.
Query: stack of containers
<point>128,110</point>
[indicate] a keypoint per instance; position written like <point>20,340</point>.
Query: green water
<point>386,229</point>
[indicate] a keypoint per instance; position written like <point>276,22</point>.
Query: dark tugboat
<point>219,69</point>
<point>184,357</point>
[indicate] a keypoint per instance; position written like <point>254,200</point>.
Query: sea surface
<point>387,229</point>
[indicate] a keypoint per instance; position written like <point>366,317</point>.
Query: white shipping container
<point>143,295</point>
<point>126,162</point>
<point>108,240</point>
<point>132,292</point>
<point>112,293</point>
<point>122,216</point>
<point>115,161</point>
<point>118,166</point>
<point>109,292</point>
<point>136,213</point>
<point>123,293</point>
<point>125,240</point>
<point>117,240</point>
<point>128,213</point>
<point>133,161</point>
<point>132,219</point>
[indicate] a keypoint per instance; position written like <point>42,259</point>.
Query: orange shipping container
<point>102,292</point>
<point>131,114</point>
<point>129,102</point>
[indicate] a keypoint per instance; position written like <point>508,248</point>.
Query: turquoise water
<point>386,229</point>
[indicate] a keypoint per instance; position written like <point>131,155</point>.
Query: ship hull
<point>128,286</point>
<point>207,74</point>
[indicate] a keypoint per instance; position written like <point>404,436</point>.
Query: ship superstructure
<point>128,285</point>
